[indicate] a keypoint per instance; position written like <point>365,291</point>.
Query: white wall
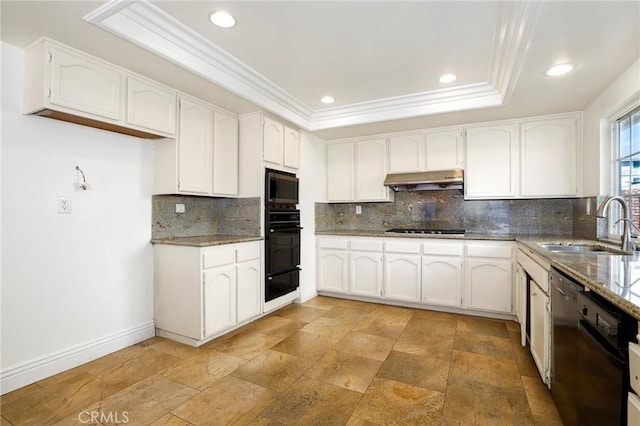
<point>597,149</point>
<point>312,189</point>
<point>74,286</point>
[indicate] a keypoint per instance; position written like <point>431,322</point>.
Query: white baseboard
<point>307,294</point>
<point>29,372</point>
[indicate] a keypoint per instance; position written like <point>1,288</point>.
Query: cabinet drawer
<point>634,366</point>
<point>218,256</point>
<point>366,245</point>
<point>248,251</point>
<point>402,247</point>
<point>443,248</point>
<point>489,250</point>
<point>537,272</point>
<point>333,243</point>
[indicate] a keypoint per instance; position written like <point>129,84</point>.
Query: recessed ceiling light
<point>447,78</point>
<point>223,20</point>
<point>327,100</point>
<point>561,69</point>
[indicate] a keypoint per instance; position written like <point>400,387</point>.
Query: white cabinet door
<point>549,158</point>
<point>291,148</point>
<point>86,85</point>
<point>488,285</point>
<point>219,299</point>
<point>195,136</point>
<point>442,280</point>
<point>539,329</point>
<point>402,277</point>
<point>406,153</point>
<point>521,302</point>
<point>248,290</point>
<point>365,270</point>
<point>371,170</point>
<point>491,162</point>
<point>332,270</point>
<point>444,149</point>
<point>273,141</point>
<point>225,154</point>
<point>151,106</point>
<point>340,172</point>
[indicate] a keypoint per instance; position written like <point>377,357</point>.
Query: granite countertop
<point>206,240</point>
<point>465,236</point>
<point>614,277</point>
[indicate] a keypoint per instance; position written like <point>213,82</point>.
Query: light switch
<point>358,209</point>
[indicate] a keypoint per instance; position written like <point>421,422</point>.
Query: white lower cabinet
<point>489,276</point>
<point>201,292</point>
<point>332,264</point>
<point>402,277</point>
<point>219,299</point>
<point>430,272</point>
<point>365,267</point>
<point>539,327</point>
<point>442,273</point>
<point>402,270</point>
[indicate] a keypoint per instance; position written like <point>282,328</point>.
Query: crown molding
<point>511,41</point>
<point>147,26</point>
<point>480,95</point>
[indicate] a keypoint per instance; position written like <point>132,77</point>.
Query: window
<point>626,171</point>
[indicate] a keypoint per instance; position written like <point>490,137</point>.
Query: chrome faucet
<point>602,208</point>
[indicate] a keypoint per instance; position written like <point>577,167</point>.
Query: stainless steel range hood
<point>424,181</point>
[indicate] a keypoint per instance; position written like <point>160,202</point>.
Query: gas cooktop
<point>427,231</point>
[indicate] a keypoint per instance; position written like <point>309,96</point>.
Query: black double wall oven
<point>282,234</point>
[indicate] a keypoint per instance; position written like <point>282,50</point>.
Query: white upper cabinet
<point>371,169</point>
<point>84,84</point>
<point>203,160</point>
<point>281,145</point>
<point>491,161</point>
<point>64,83</point>
<point>341,171</point>
<point>291,155</point>
<point>438,149</point>
<point>195,138</point>
<point>406,153</point>
<point>444,149</point>
<point>225,154</point>
<point>356,171</point>
<point>549,157</point>
<point>273,141</point>
<point>151,106</point>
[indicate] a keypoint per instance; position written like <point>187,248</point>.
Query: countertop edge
<point>206,240</point>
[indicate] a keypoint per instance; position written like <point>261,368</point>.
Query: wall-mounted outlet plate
<point>64,204</point>
<point>358,209</point>
<point>180,208</point>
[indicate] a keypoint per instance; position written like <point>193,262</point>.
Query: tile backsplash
<point>204,216</point>
<point>449,210</point>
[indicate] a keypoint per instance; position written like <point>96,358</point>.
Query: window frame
<point>614,231</point>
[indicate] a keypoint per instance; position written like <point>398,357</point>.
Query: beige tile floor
<point>326,362</point>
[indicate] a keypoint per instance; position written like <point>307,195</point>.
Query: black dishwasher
<point>589,369</point>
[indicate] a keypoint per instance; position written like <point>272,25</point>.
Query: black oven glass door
<point>282,188</point>
<point>281,284</point>
<point>283,249</point>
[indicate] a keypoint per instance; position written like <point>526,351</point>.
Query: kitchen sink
<point>581,248</point>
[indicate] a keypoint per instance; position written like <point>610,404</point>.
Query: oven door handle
<point>589,331</point>
<point>296,228</point>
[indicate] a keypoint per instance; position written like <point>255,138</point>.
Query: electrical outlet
<point>358,209</point>
<point>180,208</point>
<point>64,204</point>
